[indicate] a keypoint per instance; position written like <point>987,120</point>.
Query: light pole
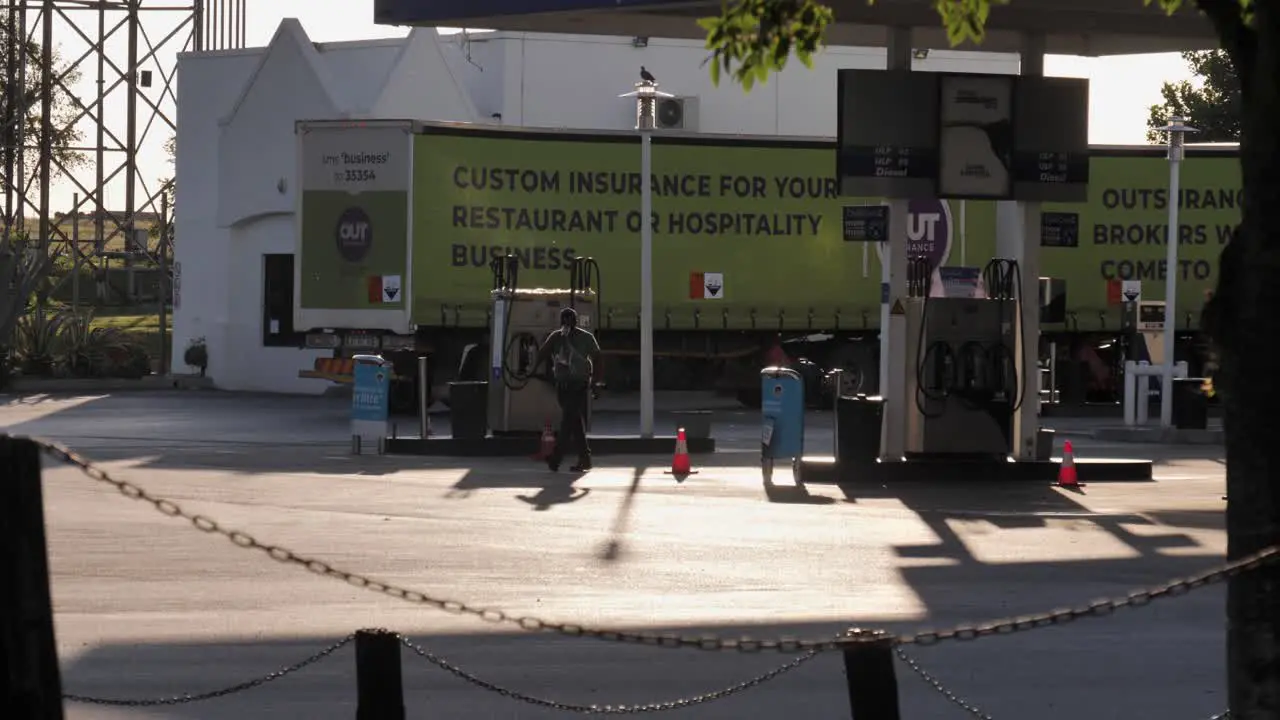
<point>646,94</point>
<point>1175,131</point>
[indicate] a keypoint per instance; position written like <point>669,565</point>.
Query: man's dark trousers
<point>573,422</point>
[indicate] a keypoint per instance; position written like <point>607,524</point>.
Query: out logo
<point>929,232</point>
<point>354,234</point>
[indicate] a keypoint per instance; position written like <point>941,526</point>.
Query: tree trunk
<point>1251,352</point>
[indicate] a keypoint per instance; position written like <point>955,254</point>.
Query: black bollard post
<point>424,397</point>
<point>30,683</point>
<point>870,676</point>
<point>379,684</point>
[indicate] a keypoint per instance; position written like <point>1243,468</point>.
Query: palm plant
<point>36,341</point>
<point>24,270</point>
<point>86,351</point>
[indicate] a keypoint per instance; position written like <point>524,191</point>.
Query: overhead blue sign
<point>370,398</point>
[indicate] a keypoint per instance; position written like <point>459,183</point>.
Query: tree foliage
<point>169,188</point>
<point>24,270</point>
<point>1211,104</point>
<point>171,150</point>
<point>751,38</point>
<point>66,135</point>
<point>755,37</point>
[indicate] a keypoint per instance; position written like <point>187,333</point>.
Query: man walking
<point>574,353</point>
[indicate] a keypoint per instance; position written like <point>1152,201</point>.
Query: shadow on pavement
<point>241,430</point>
<point>557,490</point>
<point>1167,667</point>
<point>794,494</point>
<point>1011,506</point>
<point>237,432</point>
<point>231,431</point>
<point>1199,519</point>
<point>613,548</point>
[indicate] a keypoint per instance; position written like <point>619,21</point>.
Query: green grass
<point>87,231</point>
<point>139,328</point>
<point>129,323</point>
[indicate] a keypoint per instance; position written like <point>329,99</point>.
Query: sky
<point>1122,88</point>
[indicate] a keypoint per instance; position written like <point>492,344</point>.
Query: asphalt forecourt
<point>147,606</point>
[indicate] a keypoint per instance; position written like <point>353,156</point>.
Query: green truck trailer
<point>400,222</point>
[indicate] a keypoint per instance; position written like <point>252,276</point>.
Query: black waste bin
<point>858,420</point>
<point>469,409</point>
<point>1190,404</point>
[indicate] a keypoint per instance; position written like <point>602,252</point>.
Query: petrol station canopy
<point>1070,27</point>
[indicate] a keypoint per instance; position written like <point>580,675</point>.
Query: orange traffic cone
<point>1067,470</point>
<point>680,466</point>
<point>547,443</point>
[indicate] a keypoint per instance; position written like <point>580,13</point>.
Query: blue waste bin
<point>782,434</point>
<point>370,402</point>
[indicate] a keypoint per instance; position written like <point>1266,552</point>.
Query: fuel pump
<point>1002,279</point>
<point>965,385</point>
<point>935,361</point>
<point>584,278</point>
<point>522,395</point>
<point>517,350</point>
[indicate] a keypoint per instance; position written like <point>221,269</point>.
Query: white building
<point>543,80</point>
<point>236,154</point>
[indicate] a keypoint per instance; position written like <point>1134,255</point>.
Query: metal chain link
<point>239,687</point>
<point>1101,608</point>
<point>937,685</point>
<point>607,709</point>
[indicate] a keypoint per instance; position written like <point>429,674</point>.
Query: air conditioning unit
<point>677,113</point>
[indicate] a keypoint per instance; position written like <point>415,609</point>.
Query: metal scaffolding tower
<point>87,138</point>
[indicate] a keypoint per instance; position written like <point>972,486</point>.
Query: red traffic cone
<point>547,443</point>
<point>680,465</point>
<point>1067,470</point>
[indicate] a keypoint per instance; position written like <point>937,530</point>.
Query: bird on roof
<point>646,75</point>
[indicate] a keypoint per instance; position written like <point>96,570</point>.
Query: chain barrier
<point>637,709</point>
<point>239,687</point>
<point>1007,626</point>
<point>607,709</point>
<point>1099,608</point>
<point>963,704</point>
<point>936,684</point>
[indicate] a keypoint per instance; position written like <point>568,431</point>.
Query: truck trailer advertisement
<point>400,224</point>
<point>763,217</point>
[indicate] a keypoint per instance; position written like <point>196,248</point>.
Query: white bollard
<point>1144,392</point>
<point>1137,388</point>
<point>1130,389</point>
